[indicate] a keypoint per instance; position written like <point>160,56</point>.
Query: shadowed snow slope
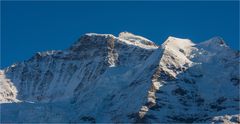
<point>103,78</point>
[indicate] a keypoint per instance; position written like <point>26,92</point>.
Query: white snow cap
<point>177,43</point>
<point>96,34</point>
<point>135,38</point>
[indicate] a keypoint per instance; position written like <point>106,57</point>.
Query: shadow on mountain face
<point>196,96</point>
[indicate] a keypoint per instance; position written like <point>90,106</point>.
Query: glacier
<point>102,78</point>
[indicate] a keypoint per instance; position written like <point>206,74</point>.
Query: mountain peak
<point>174,43</point>
<point>215,41</point>
<point>92,40</point>
<point>135,38</point>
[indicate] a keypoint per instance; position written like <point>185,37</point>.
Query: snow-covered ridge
<point>96,34</point>
<point>139,41</point>
<point>124,38</point>
<point>135,38</point>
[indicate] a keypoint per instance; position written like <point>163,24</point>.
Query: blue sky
<point>29,27</point>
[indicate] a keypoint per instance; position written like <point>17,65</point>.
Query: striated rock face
<point>103,78</point>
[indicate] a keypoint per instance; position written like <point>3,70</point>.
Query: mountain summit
<point>124,79</point>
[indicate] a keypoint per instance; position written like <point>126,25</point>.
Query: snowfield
<point>125,79</point>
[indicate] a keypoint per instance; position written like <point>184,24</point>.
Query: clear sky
<point>29,27</point>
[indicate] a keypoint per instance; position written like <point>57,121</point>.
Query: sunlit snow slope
<point>103,78</point>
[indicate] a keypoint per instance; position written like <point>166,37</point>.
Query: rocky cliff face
<point>103,78</point>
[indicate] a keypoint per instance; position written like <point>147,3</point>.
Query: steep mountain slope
<point>103,78</point>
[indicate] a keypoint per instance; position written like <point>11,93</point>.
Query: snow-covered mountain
<point>103,78</point>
